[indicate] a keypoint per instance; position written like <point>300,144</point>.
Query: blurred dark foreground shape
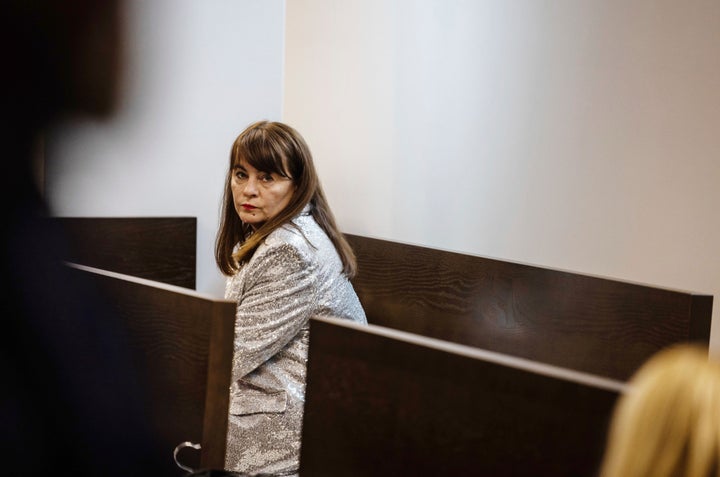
<point>71,402</point>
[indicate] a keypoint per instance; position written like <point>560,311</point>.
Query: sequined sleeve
<point>277,301</point>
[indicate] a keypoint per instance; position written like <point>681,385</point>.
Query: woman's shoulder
<point>287,238</point>
<point>303,235</point>
<point>279,254</point>
<point>288,235</point>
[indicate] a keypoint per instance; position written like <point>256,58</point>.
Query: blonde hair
<point>668,422</point>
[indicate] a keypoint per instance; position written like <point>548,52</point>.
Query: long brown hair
<point>277,148</point>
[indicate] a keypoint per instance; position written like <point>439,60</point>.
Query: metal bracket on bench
<point>181,446</point>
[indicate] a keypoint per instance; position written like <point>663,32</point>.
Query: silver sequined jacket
<point>295,274</point>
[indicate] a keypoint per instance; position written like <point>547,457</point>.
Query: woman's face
<point>259,196</point>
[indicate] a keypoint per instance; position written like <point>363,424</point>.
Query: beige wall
<point>575,134</point>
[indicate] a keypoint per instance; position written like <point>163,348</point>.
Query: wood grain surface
<point>593,324</point>
<point>182,344</point>
<point>382,403</point>
<point>157,248</point>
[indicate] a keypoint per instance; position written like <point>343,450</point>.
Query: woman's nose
<point>250,188</point>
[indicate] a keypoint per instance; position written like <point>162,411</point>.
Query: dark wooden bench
<point>383,402</point>
<point>162,249</point>
<point>181,343</point>
<point>592,324</point>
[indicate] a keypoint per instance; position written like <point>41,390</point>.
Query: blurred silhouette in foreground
<point>70,399</point>
<point>668,422</point>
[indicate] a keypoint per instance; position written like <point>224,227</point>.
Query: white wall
<point>196,73</point>
<point>575,134</point>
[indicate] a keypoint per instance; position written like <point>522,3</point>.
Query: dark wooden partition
<point>601,326</point>
<point>382,402</point>
<point>182,344</point>
<point>162,249</point>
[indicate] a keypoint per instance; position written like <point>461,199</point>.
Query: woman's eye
<point>266,178</point>
<point>240,175</point>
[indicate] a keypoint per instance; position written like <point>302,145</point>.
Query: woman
<point>668,423</point>
<point>286,261</point>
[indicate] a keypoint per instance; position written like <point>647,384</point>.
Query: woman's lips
<point>248,207</point>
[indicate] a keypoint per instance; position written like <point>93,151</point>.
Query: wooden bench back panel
<point>182,344</point>
<point>385,403</point>
<point>162,249</point>
<point>596,325</point>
